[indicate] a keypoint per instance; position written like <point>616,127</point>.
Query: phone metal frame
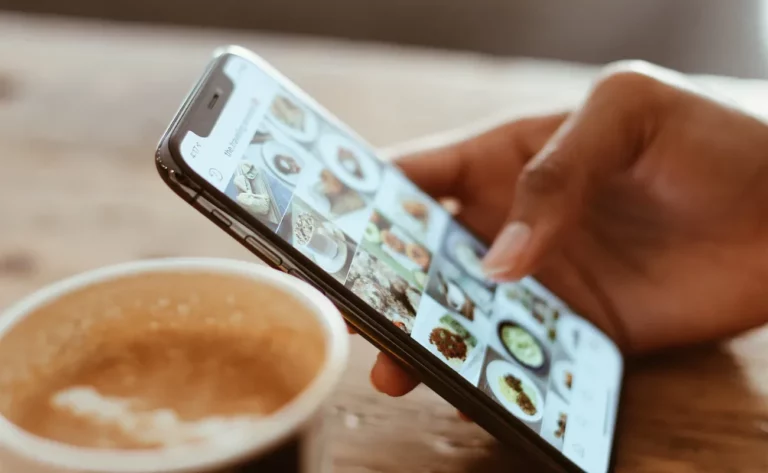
<point>372,326</point>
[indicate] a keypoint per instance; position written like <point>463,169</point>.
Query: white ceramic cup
<point>323,244</point>
<point>290,440</point>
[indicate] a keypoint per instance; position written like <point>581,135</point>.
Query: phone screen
<point>306,177</point>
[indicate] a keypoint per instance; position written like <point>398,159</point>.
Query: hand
<point>646,210</point>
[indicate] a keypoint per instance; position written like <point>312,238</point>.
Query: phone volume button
<point>219,215</point>
<point>272,258</point>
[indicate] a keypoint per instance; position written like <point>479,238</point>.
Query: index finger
<point>445,167</point>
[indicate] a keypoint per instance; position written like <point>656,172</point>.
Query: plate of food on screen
<point>384,290</point>
<point>562,378</point>
<point>405,250</point>
<point>455,297</point>
<point>522,345</point>
<point>285,160</point>
<point>393,245</point>
<point>292,118</point>
<point>351,162</point>
<point>452,341</point>
<point>334,198</point>
<point>515,390</point>
<point>544,313</point>
<point>467,253</point>
<point>562,424</point>
<point>413,212</point>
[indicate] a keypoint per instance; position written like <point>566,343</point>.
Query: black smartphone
<point>281,174</point>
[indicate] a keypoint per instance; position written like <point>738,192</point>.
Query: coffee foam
<point>161,427</point>
<point>158,359</point>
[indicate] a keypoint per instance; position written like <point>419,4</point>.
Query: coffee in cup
<point>164,365</point>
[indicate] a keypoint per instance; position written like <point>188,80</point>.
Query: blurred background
<point>703,36</point>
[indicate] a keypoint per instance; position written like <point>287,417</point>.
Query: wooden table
<point>83,104</point>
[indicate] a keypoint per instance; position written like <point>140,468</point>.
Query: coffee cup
<point>176,365</point>
<point>323,244</point>
<point>311,234</point>
<point>455,296</point>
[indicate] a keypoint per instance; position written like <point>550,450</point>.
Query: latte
<point>157,360</point>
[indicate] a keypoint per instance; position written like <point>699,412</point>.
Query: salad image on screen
<point>449,336</point>
<point>545,313</point>
<point>521,345</point>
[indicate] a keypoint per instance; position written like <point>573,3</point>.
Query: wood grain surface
<point>82,106</point>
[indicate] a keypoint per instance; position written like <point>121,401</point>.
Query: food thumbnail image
<point>282,157</point>
<point>351,162</point>
<point>257,191</point>
<point>335,200</point>
<point>292,118</point>
<point>402,202</point>
<point>519,343</point>
<point>515,390</point>
<point>384,290</point>
<point>397,249</point>
<point>570,330</point>
<point>466,252</point>
<point>444,335</point>
<point>318,239</point>
<point>456,291</point>
<point>545,313</point>
<point>562,423</point>
<point>562,378</point>
<point>554,425</point>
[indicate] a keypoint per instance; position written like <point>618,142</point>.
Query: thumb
<point>603,138</point>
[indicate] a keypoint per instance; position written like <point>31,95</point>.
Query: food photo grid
<point>400,252</point>
<point>259,188</point>
<point>415,213</point>
<point>390,271</point>
<point>453,339</point>
<point>466,252</point>
<point>317,238</point>
<point>306,180</point>
<point>529,365</point>
<point>456,290</point>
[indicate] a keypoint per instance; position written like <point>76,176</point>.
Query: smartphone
<point>278,172</point>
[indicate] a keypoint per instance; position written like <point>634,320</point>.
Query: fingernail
<point>506,251</point>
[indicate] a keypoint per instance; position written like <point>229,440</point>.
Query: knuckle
<point>630,81</point>
<point>626,82</point>
<point>633,88</point>
<point>630,65</point>
<point>546,178</point>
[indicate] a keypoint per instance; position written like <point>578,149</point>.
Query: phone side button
<point>219,215</point>
<point>273,258</point>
